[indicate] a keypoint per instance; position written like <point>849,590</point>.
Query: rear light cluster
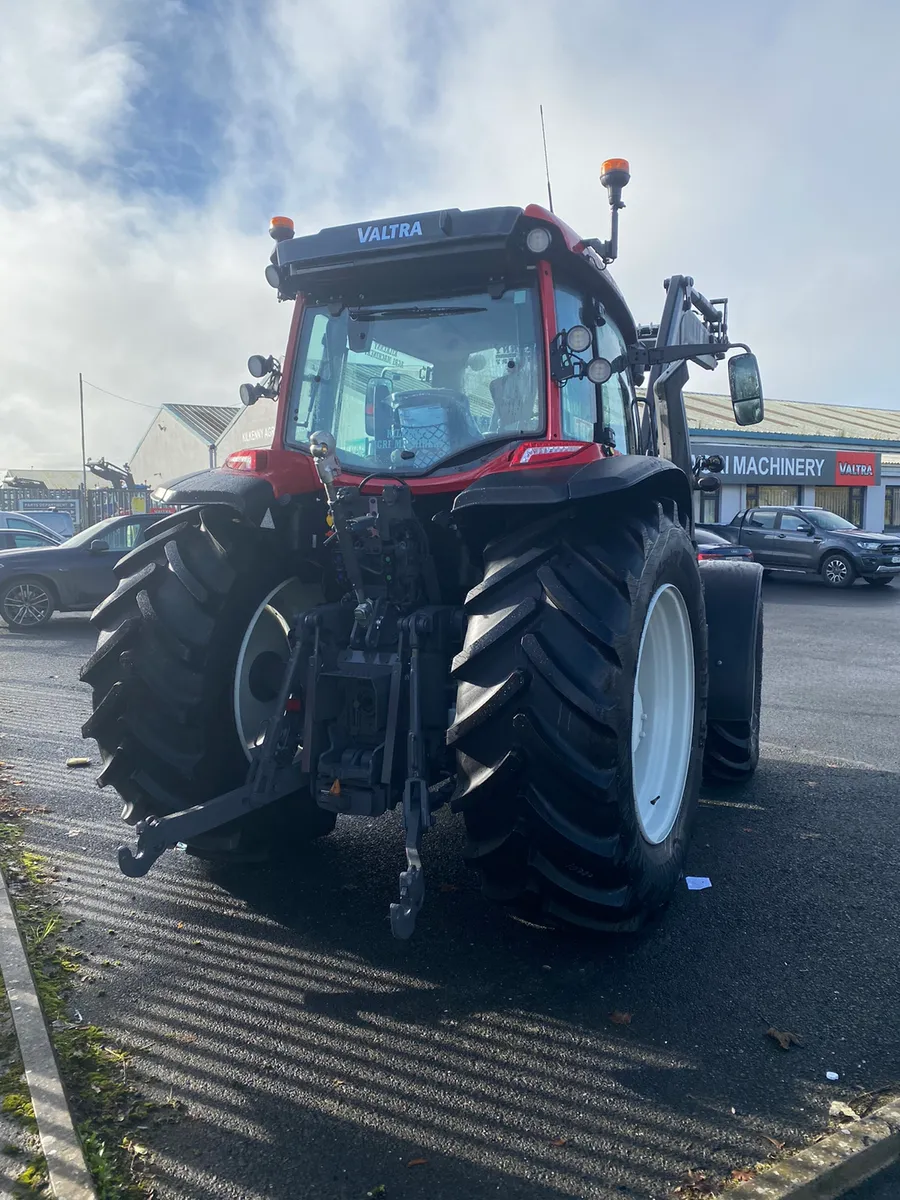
<point>542,454</point>
<point>247,460</point>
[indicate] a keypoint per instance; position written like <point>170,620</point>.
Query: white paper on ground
<point>696,883</point>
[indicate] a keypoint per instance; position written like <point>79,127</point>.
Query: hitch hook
<point>412,880</point>
<point>135,865</point>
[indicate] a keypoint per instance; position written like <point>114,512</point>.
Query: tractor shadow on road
<point>486,1045</point>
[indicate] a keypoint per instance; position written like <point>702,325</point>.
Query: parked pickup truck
<point>816,542</point>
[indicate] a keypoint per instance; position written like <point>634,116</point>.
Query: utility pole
<point>83,452</point>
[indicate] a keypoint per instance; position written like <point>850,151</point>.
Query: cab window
<point>793,524</point>
<point>761,520</point>
<point>579,396</point>
<point>617,395</point>
<point>123,537</point>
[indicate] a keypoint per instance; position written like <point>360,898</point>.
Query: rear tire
<point>163,678</point>
<point>732,747</point>
<point>546,709</point>
<point>838,571</point>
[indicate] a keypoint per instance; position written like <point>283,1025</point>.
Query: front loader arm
<point>692,328</point>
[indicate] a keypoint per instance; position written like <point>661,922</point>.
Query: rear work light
<point>538,239</point>
<point>247,460</point>
<point>542,454</point>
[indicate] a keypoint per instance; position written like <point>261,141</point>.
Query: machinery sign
<point>771,464</point>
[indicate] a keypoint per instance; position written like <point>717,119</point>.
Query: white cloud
<point>64,75</point>
<point>759,138</point>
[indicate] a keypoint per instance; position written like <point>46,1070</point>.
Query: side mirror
<point>810,532</point>
<point>98,545</point>
<point>709,483</point>
<point>746,389</point>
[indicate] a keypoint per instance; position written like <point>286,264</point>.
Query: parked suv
<point>56,525</point>
<point>42,579</point>
<point>816,542</point>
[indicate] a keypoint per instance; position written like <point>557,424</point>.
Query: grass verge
<point>108,1111</point>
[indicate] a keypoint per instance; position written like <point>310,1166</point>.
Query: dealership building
<point>837,457</point>
<point>840,458</point>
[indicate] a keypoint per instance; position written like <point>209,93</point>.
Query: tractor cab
<point>442,344</point>
<point>430,343</point>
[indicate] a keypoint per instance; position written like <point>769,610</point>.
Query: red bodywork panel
<point>291,472</point>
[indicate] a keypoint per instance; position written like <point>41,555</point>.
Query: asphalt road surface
<point>317,1057</point>
<point>883,1186</point>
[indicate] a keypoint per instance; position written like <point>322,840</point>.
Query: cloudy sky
<point>144,147</point>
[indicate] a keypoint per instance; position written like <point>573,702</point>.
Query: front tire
<point>565,803</point>
<point>190,628</point>
<point>838,571</point>
<point>26,603</point>
<point>879,580</point>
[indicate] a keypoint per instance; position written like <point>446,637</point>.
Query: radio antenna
<point>546,159</point>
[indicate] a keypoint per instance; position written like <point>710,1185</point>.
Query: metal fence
<point>100,503</point>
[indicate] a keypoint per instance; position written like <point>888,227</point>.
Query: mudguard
<point>733,592</point>
<point>248,493</point>
<point>605,477</point>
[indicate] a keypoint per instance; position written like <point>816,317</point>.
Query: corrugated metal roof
<point>798,419</point>
<point>208,421</point>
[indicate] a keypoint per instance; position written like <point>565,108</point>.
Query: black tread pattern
<point>731,755</point>
<point>541,727</point>
<point>161,673</point>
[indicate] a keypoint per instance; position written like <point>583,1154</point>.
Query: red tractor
<point>463,573</point>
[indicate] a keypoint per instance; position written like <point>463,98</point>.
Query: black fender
<point>248,493</point>
<point>641,476</point>
<point>733,592</point>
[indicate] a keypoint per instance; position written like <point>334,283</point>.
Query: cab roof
<point>344,261</point>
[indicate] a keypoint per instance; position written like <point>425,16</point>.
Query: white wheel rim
<point>662,723</point>
<point>267,633</point>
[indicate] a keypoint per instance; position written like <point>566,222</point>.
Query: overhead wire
<point>116,396</point>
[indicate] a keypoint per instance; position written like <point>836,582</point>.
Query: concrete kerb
<point>835,1164</point>
<point>68,1172</point>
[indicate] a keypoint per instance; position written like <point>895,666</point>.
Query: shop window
<point>846,502</point>
<point>892,508</point>
<point>762,495</point>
